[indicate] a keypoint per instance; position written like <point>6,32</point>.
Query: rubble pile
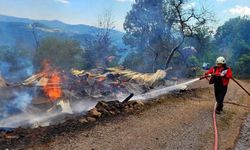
<point>55,93</point>
<point>99,83</point>
<point>103,109</point>
<point>106,109</point>
<point>102,112</point>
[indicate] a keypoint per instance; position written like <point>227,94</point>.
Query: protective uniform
<point>220,78</point>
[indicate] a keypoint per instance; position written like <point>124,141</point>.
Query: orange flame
<point>53,89</point>
<point>101,79</point>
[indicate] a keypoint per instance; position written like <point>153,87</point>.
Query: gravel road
<point>172,123</point>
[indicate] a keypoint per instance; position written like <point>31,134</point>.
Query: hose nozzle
<point>205,76</point>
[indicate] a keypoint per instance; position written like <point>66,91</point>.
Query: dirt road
<point>173,122</point>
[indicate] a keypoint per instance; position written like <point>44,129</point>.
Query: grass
<point>225,120</point>
<point>206,138</point>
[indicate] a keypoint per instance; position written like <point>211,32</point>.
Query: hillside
<point>15,30</point>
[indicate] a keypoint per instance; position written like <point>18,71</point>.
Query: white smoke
<point>22,100</point>
<point>25,118</point>
<point>15,104</point>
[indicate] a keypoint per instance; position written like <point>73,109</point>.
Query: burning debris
<point>147,79</point>
<point>52,88</point>
<point>113,80</point>
<point>55,92</point>
<point>125,75</point>
<point>68,103</point>
<point>49,81</point>
<point>99,111</point>
<point>102,110</point>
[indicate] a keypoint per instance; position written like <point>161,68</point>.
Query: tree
<point>232,40</point>
<point>161,26</point>
<point>100,47</point>
<point>187,21</point>
<point>63,54</point>
<point>147,31</point>
<point>34,26</point>
<point>242,63</point>
<point>204,45</point>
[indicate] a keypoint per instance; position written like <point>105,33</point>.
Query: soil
<point>244,137</point>
<point>176,121</point>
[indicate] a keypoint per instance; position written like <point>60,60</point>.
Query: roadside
<point>173,122</point>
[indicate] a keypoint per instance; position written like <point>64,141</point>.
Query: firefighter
<point>220,76</point>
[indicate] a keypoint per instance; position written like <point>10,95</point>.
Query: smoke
<point>22,117</point>
<point>15,65</point>
<point>17,103</point>
<point>21,101</point>
<point>4,67</point>
<point>16,72</point>
<point>84,105</point>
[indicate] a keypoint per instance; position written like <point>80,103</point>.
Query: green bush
<point>63,54</point>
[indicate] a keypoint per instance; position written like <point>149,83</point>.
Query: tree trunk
<point>34,25</point>
<point>172,53</point>
<point>154,63</point>
<point>183,57</point>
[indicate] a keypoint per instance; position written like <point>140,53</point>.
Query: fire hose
<point>214,111</point>
<point>240,86</point>
<point>215,123</point>
<point>244,89</point>
<point>215,128</point>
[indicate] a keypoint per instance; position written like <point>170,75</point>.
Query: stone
<point>140,103</point>
<point>126,110</point>
<point>112,112</point>
<point>103,111</point>
<point>91,119</point>
<point>83,120</point>
<point>94,113</point>
<point>103,105</point>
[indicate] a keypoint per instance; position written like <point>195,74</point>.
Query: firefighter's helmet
<point>221,60</point>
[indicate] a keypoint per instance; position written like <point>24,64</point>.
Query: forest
<point>158,34</point>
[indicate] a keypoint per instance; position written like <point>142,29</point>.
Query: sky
<point>88,11</point>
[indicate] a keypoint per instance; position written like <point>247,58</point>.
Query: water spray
<point>160,92</point>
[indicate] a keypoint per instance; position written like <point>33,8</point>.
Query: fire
<point>101,79</point>
<point>52,88</point>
